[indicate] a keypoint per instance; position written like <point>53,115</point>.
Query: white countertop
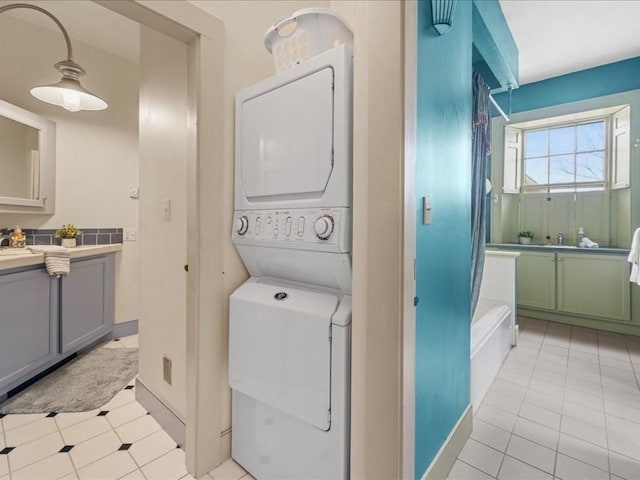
<point>26,258</point>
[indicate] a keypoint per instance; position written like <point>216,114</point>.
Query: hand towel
<point>56,259</point>
<point>634,257</point>
<point>586,242</point>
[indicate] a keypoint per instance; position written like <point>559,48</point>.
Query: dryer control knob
<point>242,225</point>
<point>324,227</point>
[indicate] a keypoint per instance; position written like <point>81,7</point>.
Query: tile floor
<point>565,405</point>
<point>118,441</point>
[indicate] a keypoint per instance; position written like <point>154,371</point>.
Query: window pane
<point>536,143</point>
<point>561,140</point>
<point>561,169</point>
<point>590,167</point>
<point>535,170</point>
<point>590,137</point>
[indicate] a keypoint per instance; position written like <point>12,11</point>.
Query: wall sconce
<point>68,93</point>
<point>442,14</point>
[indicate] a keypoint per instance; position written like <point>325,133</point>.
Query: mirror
<point>27,161</point>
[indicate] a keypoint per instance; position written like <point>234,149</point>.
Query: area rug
<point>85,383</point>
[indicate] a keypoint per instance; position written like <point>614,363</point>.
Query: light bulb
<point>71,101</point>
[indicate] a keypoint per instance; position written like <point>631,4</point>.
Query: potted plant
<point>525,237</point>
<point>67,234</point>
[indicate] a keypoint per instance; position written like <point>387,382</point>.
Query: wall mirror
<point>27,161</point>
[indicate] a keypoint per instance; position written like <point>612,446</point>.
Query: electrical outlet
<point>133,191</point>
<point>166,369</point>
<point>130,235</point>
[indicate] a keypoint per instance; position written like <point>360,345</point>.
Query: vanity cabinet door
<point>536,280</point>
<point>28,329</point>
<point>87,303</point>
<point>594,285</point>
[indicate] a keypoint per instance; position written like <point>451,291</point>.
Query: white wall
<point>97,152</point>
<point>163,176</point>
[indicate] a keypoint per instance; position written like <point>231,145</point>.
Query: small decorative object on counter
<point>525,237</point>
<point>581,235</point>
<point>17,238</point>
<point>67,234</point>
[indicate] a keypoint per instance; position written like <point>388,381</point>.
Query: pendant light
<point>68,93</point>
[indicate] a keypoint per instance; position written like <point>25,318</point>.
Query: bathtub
<point>493,323</point>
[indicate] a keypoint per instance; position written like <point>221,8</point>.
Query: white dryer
<point>292,215</point>
<point>290,323</point>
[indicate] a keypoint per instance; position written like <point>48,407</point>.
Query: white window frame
<point>617,150</point>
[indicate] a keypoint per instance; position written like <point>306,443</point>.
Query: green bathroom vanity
<point>44,319</point>
<point>579,286</point>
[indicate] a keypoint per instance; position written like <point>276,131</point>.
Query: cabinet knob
<point>186,268</point>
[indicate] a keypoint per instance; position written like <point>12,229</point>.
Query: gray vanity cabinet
<point>87,303</point>
<point>44,319</point>
<point>28,324</point>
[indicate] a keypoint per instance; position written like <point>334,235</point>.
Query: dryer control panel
<point>325,229</point>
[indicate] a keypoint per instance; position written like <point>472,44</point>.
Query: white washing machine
<point>289,333</point>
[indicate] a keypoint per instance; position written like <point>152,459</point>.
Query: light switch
<point>426,211</point>
<point>166,209</point>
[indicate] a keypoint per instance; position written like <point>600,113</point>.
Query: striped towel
<point>56,259</point>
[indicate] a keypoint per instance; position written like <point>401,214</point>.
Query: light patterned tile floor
<point>118,441</point>
<point>564,406</point>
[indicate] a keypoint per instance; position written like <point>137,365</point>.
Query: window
<point>577,152</point>
<point>565,158</point>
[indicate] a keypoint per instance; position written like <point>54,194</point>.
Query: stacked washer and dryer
<point>290,323</point>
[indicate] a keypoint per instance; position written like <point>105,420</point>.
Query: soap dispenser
<point>17,239</point>
<point>581,235</point>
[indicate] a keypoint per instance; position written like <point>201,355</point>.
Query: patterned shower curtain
<point>481,147</point>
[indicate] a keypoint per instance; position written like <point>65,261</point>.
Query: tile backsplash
<point>89,236</point>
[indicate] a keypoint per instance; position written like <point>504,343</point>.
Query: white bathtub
<point>493,321</point>
<point>491,336</point>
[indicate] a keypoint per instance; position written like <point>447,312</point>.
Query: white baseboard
<point>162,414</point>
<point>448,453</point>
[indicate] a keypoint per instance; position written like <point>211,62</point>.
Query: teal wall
<point>591,83</point>
<point>494,45</point>
<point>443,256</point>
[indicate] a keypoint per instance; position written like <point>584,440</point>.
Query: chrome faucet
<point>560,238</point>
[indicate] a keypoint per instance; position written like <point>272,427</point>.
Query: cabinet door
<point>594,285</point>
<point>28,333</point>
<point>536,280</point>
<point>87,303</point>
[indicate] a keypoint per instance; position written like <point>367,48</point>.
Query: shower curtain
<point>481,147</point>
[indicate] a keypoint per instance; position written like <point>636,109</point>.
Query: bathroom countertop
<point>558,248</point>
<point>26,258</point>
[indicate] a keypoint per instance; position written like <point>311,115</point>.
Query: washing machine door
<point>280,349</point>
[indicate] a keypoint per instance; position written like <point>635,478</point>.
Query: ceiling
<point>555,37</point>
